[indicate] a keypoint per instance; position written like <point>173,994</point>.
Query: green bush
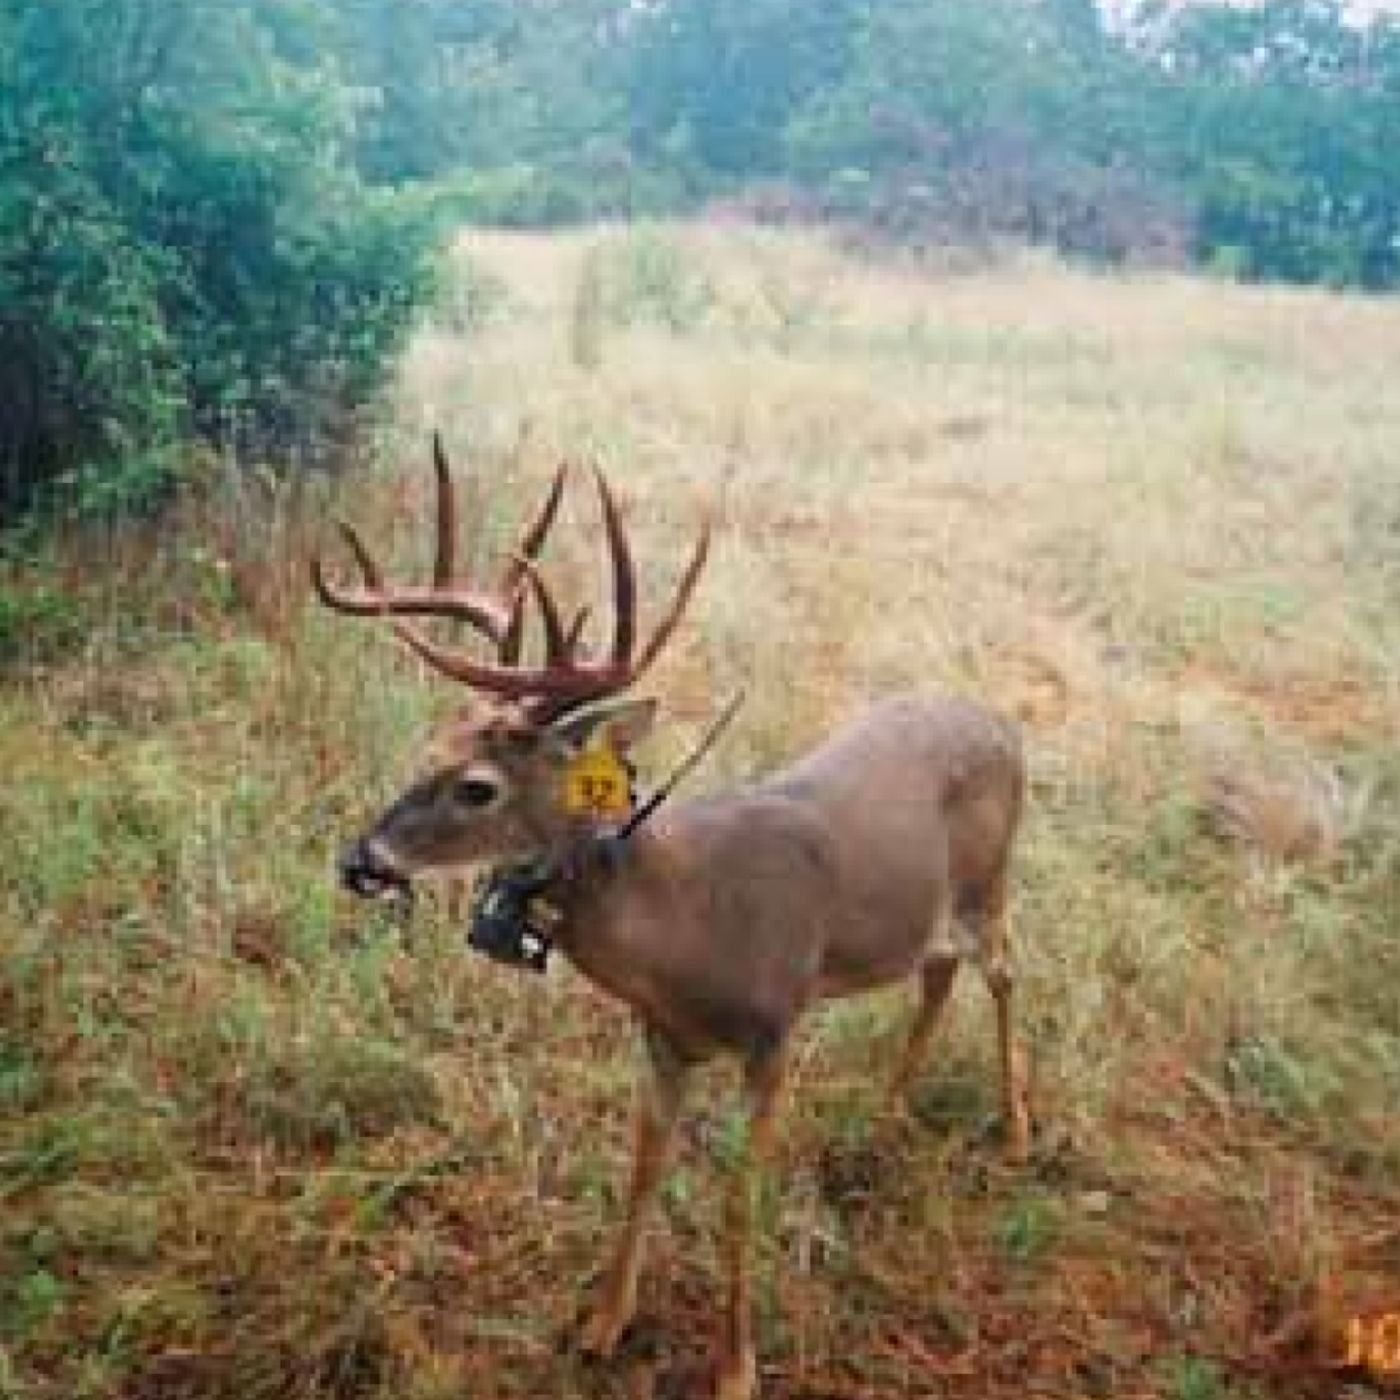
<point>184,249</point>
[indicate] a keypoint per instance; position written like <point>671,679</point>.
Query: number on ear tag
<point>596,784</point>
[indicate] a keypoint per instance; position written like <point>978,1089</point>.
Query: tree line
<point>218,218</point>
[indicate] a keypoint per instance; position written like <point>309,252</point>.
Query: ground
<point>259,1142</point>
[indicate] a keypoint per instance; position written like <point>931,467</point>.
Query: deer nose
<point>365,872</point>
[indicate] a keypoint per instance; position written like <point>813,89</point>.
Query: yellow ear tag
<point>596,784</point>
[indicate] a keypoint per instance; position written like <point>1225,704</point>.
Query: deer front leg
<point>738,1369</point>
<point>661,1093</point>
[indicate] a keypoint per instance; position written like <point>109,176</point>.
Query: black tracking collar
<point>511,920</point>
<point>514,909</point>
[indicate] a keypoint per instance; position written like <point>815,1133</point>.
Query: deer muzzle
<point>365,871</point>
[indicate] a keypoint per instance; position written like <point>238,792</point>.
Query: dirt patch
<point>1330,709</point>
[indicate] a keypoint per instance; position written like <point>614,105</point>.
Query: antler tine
<point>661,634</point>
<point>364,602</point>
<point>575,632</point>
<point>368,568</point>
<point>445,559</point>
<point>624,576</point>
<point>557,650</point>
<point>532,541</point>
<point>514,636</point>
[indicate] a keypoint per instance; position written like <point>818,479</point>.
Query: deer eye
<point>476,791</point>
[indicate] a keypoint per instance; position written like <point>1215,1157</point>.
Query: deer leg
<point>738,1372</point>
<point>660,1096</point>
<point>936,979</point>
<point>996,969</point>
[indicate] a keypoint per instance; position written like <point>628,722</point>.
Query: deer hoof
<point>738,1379</point>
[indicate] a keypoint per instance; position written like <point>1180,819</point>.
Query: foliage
<point>1256,139</point>
<point>722,79</point>
<point>1281,119</point>
<point>969,124</point>
<point>184,248</point>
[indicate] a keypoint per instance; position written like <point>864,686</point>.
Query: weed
<point>1264,1071</point>
<point>21,1078</point>
<point>1028,1229</point>
<point>32,1300</point>
<point>1193,1378</point>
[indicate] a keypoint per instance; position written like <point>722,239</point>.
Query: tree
<point>725,76</point>
<point>1283,120</point>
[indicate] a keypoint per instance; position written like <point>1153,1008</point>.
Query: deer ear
<point>625,723</point>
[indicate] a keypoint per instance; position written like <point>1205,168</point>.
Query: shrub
<point>183,248</point>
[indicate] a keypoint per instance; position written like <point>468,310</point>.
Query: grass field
<point>257,1142</point>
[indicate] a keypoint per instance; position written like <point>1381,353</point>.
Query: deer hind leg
<point>995,944</point>
<point>660,1097</point>
<point>738,1369</point>
<point>936,979</point>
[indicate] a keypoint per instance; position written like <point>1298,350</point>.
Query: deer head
<point>495,785</point>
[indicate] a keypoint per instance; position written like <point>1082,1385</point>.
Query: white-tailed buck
<point>883,855</point>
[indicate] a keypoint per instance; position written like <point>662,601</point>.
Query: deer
<point>720,920</point>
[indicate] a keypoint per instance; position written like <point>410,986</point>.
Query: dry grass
<point>256,1143</point>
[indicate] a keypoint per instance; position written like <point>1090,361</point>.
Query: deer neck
<point>610,894</point>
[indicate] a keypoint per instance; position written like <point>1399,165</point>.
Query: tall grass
<point>255,1141</point>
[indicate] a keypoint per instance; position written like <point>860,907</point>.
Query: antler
<point>498,612</point>
<point>565,682</point>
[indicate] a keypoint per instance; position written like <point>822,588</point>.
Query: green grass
<point>258,1141</point>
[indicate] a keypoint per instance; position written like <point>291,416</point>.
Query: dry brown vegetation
<point>255,1142</point>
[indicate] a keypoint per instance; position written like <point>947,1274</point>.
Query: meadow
<point>257,1140</point>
